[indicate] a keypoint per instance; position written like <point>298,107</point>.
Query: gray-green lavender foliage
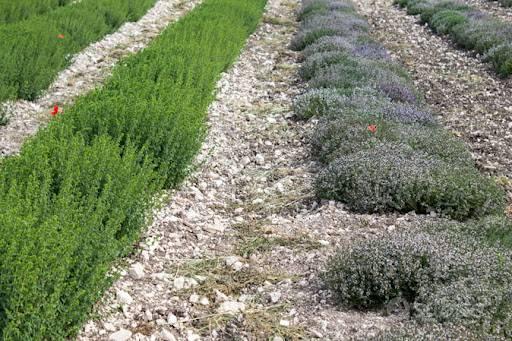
<point>440,278</point>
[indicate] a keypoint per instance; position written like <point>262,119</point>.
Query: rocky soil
<point>88,69</point>
<point>493,8</point>
<point>470,99</point>
<point>236,253</point>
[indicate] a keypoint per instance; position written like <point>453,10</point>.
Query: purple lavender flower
<point>371,51</point>
<point>407,113</point>
<point>398,91</point>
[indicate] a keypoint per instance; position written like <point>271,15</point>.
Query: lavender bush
<point>445,21</point>
<point>482,34</point>
<point>500,57</point>
<point>406,163</point>
<point>428,332</point>
<point>361,47</point>
<point>371,273</point>
<point>349,134</point>
<point>397,90</point>
<point>329,44</point>
<point>361,100</point>
<point>383,151</point>
<point>361,73</point>
<point>322,60</point>
<point>332,102</point>
<point>407,113</point>
<point>505,3</point>
<point>371,50</point>
<point>492,230</point>
<point>441,278</point>
<point>318,102</point>
<point>333,24</point>
<point>395,177</point>
<point>319,7</point>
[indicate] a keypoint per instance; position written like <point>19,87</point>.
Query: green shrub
<point>333,23</point>
<point>357,73</point>
<point>333,102</point>
<point>429,332</point>
<point>13,11</point>
<point>321,60</point>
<point>427,13</point>
<point>501,59</point>
<point>396,177</point>
<point>441,278</point>
<point>321,7</point>
<point>444,21</point>
<point>77,196</point>
<point>345,135</point>
<point>77,208</point>
<point>24,73</point>
<point>493,230</point>
<point>482,35</point>
<point>3,117</point>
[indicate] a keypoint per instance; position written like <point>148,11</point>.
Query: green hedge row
<point>13,11</point>
<point>469,28</point>
<point>76,197</point>
<point>32,52</point>
<point>381,148</point>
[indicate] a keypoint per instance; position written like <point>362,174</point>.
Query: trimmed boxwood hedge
<point>77,196</point>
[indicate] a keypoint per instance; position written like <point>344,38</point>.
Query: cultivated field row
<point>88,69</point>
<point>339,177</point>
<point>76,197</point>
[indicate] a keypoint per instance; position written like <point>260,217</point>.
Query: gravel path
<point>493,8</point>
<point>471,100</point>
<point>235,254</point>
<point>88,69</point>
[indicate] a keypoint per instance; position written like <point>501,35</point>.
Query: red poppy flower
<point>55,110</point>
<point>372,128</point>
<point>60,36</point>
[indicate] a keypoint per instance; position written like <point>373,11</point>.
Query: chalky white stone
<point>136,271</point>
<point>121,335</point>
<point>231,307</point>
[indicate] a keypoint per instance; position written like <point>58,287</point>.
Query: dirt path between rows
<point>236,253</point>
<point>88,70</point>
<point>492,8</point>
<point>469,98</point>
